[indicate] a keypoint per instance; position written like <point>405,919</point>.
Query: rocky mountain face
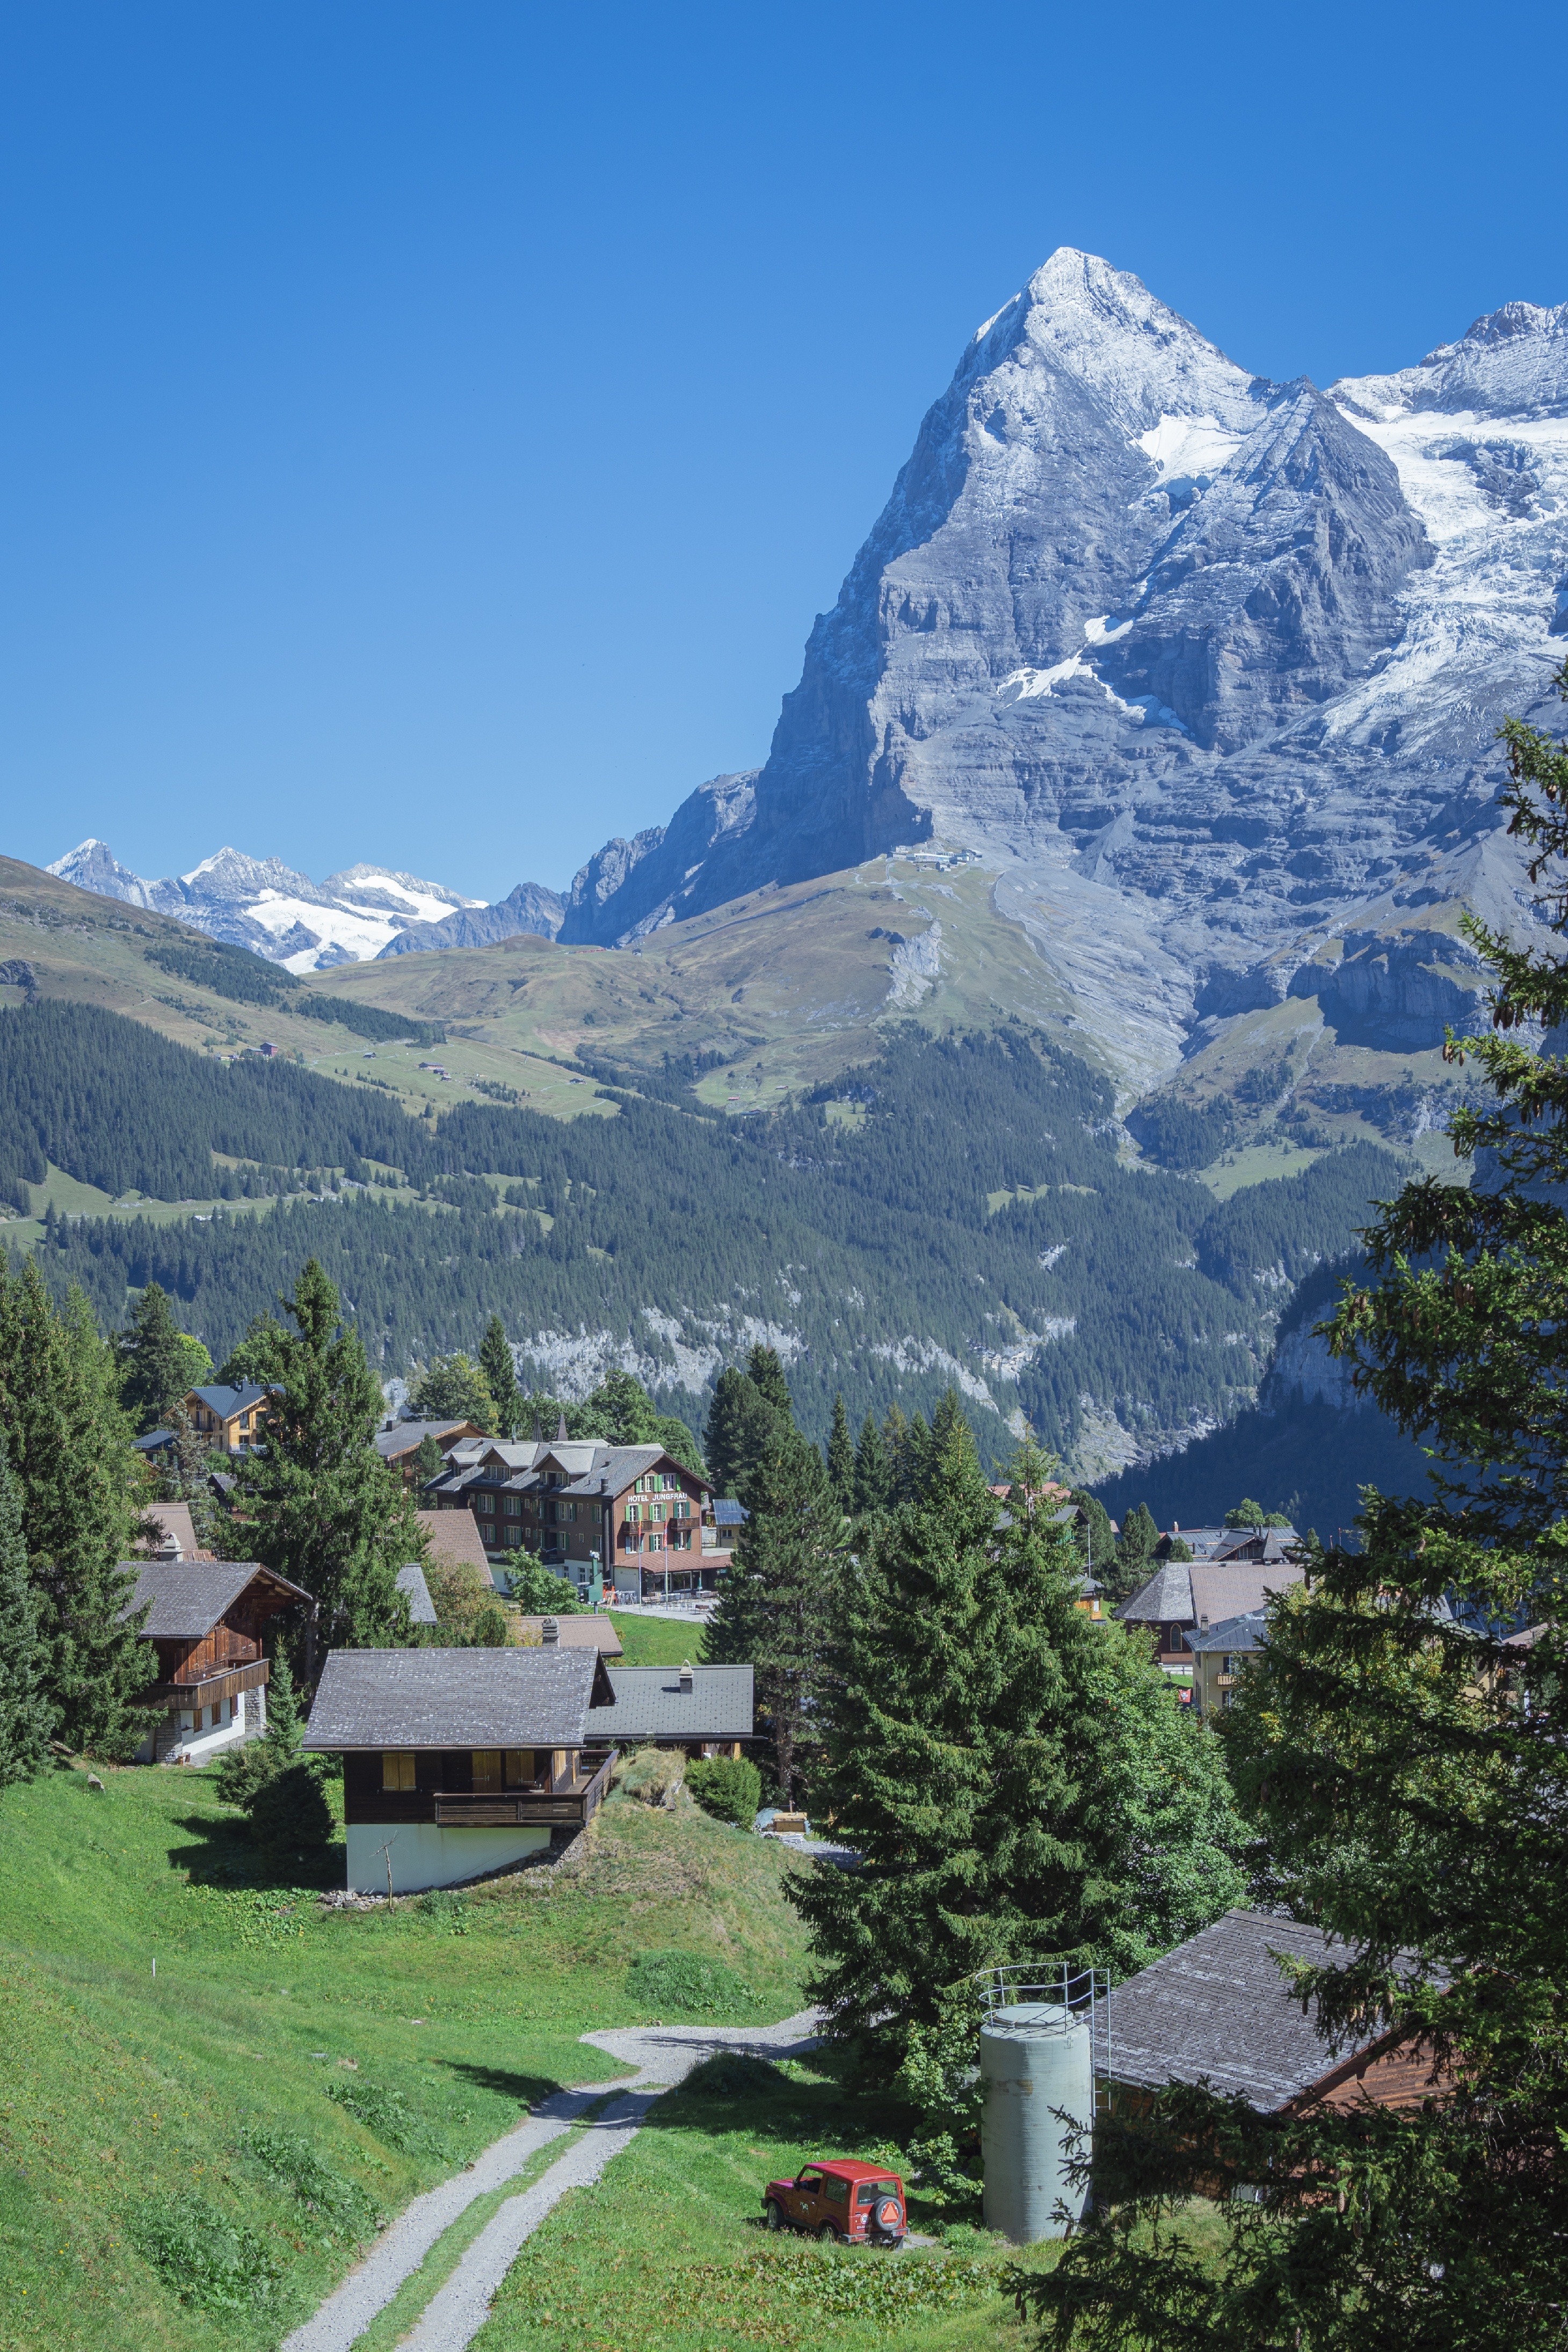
<point>261,904</point>
<point>1206,668</point>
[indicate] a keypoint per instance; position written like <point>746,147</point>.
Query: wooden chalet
<point>1219,2009</point>
<point>205,1622</point>
<point>459,1762</point>
<point>230,1419</point>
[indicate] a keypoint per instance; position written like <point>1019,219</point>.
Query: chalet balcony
<point>569,1804</point>
<point>207,1687</point>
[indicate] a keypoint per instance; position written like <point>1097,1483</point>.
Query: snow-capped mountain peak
<point>264,905</point>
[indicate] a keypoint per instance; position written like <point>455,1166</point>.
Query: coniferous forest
<point>957,1212</point>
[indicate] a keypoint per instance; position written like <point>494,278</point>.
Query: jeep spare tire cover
<point>888,2213</point>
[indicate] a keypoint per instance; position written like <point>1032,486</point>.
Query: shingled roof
<point>1165,1600</point>
<point>456,1698</point>
<point>1218,2007</point>
<point>649,1703</point>
<point>189,1596</point>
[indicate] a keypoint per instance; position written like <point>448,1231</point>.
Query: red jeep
<point>852,2202</point>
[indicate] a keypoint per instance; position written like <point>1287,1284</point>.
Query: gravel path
<point>663,2055</point>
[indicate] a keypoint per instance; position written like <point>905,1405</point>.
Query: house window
<point>511,1506</point>
<point>488,1503</point>
<point>656,1542</point>
<point>488,1771</point>
<point>514,1536</point>
<point>397,1769</point>
<point>658,1510</point>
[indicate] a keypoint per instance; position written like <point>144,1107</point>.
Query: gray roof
<point>189,1596</point>
<point>1218,2007</point>
<point>1237,1588</point>
<point>728,1513</point>
<point>1247,1631</point>
<point>590,1470</point>
<point>1165,1600</point>
<point>226,1401</point>
<point>411,1582</point>
<point>407,1436</point>
<point>456,1698</point>
<point>649,1703</point>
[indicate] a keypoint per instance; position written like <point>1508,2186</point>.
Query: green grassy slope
<point>140,2114</point>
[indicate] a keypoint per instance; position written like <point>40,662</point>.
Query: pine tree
<point>767,1374</point>
<point>871,1470</point>
<point>429,1461</point>
<point>158,1361</point>
<point>500,1377</point>
<point>776,1602</point>
<point>741,1427</point>
<point>1131,1564</point>
<point>184,1471</point>
<point>26,1716</point>
<point>841,1457</point>
<point>1098,1539</point>
<point>81,1486</point>
<point>320,1505</point>
<point>1007,1769</point>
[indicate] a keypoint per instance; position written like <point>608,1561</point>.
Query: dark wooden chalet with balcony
<point>459,1762</point>
<point>205,1621</point>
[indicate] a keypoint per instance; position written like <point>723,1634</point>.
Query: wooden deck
<point>568,1806</point>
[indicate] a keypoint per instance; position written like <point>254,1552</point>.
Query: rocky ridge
<point>1206,668</point>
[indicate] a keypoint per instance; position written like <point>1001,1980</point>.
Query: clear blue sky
<point>429,431</point>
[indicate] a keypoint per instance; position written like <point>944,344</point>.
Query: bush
<point>294,2164</point>
<point>205,2257</point>
<point>490,1630</point>
<point>290,1814</point>
<point>449,1907</point>
<point>242,1773</point>
<point>685,1981</point>
<point>388,2114</point>
<point>728,1787</point>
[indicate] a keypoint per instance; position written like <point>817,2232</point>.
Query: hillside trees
<point>319,1503</point>
<point>1406,1763</point>
<point>841,1456</point>
<point>742,1424</point>
<point>27,1715</point>
<point>81,1487</point>
<point>658,1208</point>
<point>1013,1776</point>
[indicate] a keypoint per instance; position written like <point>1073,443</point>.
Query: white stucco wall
<point>425,1855</point>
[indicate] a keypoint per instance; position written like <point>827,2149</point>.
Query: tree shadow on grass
<point>526,2089</point>
<point>224,1855</point>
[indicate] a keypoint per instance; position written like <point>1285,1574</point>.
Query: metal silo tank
<point>1036,2063</point>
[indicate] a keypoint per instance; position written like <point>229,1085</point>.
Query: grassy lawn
<point>657,1641</point>
<point>666,2253</point>
<point>231,2127</point>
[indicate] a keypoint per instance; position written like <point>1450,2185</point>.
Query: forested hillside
<point>963,1217</point>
